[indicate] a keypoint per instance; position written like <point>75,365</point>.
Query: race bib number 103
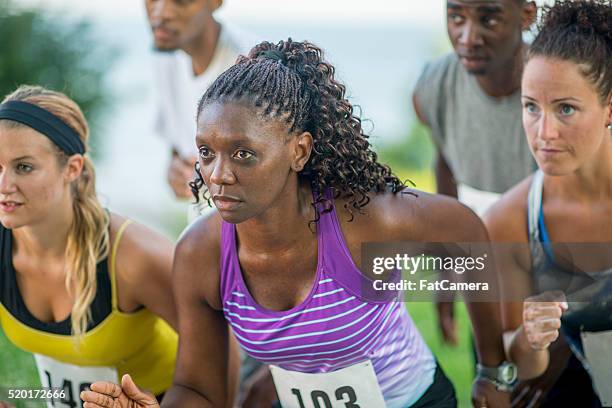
<point>351,387</point>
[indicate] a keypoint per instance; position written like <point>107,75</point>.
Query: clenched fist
<point>542,318</point>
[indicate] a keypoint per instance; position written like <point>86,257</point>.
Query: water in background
<point>380,64</point>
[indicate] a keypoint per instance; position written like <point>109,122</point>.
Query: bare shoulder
<point>140,249</point>
<point>197,259</point>
<point>506,220</point>
<point>441,218</point>
<point>413,215</point>
<point>134,233</point>
<point>203,235</point>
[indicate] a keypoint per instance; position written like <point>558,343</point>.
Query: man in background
<point>194,48</point>
<point>470,100</point>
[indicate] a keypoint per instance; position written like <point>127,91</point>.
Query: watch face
<point>508,373</point>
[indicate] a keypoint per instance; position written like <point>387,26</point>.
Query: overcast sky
<point>383,11</point>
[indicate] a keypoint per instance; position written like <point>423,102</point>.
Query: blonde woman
<point>85,290</point>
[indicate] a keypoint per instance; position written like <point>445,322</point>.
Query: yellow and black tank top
<point>138,343</point>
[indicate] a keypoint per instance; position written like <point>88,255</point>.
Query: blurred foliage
<point>44,48</point>
<point>415,151</point>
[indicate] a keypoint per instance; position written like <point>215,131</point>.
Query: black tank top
<point>11,298</point>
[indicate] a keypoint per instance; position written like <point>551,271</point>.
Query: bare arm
<point>143,267</point>
<point>450,221</point>
<point>459,224</point>
<point>430,219</point>
<point>445,180</point>
<point>506,222</point>
<point>201,377</point>
<point>445,307</point>
<point>434,218</point>
<point>530,362</point>
<point>205,372</point>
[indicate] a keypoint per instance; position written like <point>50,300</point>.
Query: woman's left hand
<point>109,395</point>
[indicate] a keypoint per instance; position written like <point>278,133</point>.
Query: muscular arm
<point>449,221</point>
<point>429,218</point>
<point>531,363</point>
<point>201,377</point>
<point>207,362</point>
<point>506,224</point>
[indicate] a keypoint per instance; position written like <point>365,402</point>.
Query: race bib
<point>598,352</point>
<point>352,387</point>
<point>71,379</point>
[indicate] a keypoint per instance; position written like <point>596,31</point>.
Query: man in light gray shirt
<point>193,50</point>
<point>470,99</point>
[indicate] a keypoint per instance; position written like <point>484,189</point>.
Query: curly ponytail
<point>88,239</point>
<point>579,31</point>
<point>291,81</point>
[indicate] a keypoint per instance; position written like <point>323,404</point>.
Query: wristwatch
<point>503,376</point>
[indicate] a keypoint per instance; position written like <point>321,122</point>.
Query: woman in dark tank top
<point>567,116</point>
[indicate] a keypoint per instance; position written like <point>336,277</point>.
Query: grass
<point>17,368</point>
<point>423,180</point>
<point>457,362</point>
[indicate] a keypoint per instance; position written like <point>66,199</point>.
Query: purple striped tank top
<point>334,327</point>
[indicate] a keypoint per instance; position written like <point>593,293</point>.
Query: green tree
<point>42,48</point>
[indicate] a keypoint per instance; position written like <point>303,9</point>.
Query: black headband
<point>44,122</point>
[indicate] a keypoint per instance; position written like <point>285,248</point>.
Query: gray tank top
<point>589,294</point>
<point>481,137</point>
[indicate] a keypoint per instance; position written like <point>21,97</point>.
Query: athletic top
<point>592,316</point>
<point>137,343</point>
<point>481,137</point>
<point>336,326</point>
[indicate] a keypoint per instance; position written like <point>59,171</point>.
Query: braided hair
<point>291,81</point>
